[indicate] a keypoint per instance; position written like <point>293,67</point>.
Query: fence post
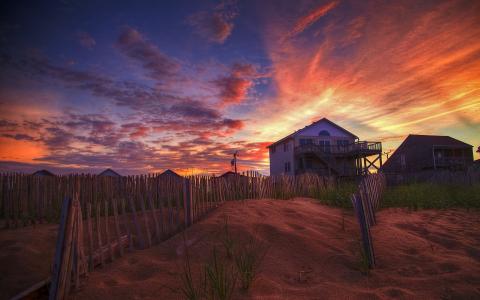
<point>187,202</point>
<point>63,253</point>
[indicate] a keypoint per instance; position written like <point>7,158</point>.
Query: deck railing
<point>357,147</point>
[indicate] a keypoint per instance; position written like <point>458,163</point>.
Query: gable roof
<point>230,173</point>
<point>433,140</point>
<point>109,172</point>
<point>43,173</point>
<point>415,143</point>
<point>169,172</point>
<point>314,123</point>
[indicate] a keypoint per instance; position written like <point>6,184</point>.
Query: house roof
<point>169,172</point>
<point>43,173</point>
<point>230,173</point>
<point>414,142</point>
<point>109,172</point>
<point>314,123</point>
<point>433,140</point>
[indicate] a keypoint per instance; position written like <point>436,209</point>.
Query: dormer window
<point>324,133</point>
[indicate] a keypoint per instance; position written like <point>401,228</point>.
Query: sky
<point>143,86</point>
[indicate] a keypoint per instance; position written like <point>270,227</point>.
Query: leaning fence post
<point>59,248</point>
<point>364,229</point>
<point>187,202</point>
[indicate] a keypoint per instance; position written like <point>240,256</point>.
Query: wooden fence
<point>103,217</point>
<point>28,200</point>
<point>365,202</point>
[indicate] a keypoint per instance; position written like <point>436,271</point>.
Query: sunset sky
<point>86,85</point>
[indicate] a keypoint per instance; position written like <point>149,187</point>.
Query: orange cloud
<point>313,16</point>
<point>20,150</point>
<point>383,73</point>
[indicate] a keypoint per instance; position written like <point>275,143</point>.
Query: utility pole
<point>234,161</point>
<point>387,152</point>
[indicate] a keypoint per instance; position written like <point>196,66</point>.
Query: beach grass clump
<point>191,289</point>
<point>221,278</point>
<point>432,196</point>
<point>338,195</point>
<point>226,239</point>
<point>248,260</point>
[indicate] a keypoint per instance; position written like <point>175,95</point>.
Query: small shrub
<point>248,260</point>
<point>338,195</point>
<point>190,289</point>
<point>221,278</point>
<point>227,240</point>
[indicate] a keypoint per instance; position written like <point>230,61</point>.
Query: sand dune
<point>314,253</point>
<point>26,256</point>
<point>428,254</point>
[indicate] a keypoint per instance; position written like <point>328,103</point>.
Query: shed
<point>110,173</point>
<point>43,173</point>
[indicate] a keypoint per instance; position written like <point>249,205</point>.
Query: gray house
<point>324,148</point>
<point>429,152</point>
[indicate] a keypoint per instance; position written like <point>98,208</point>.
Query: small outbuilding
<point>230,174</point>
<point>170,173</point>
<point>110,173</point>
<point>429,152</point>
<point>43,173</point>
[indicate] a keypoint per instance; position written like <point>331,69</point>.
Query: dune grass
<point>221,278</point>
<point>432,196</point>
<point>248,260</point>
<point>339,195</point>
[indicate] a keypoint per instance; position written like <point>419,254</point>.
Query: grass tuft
<point>338,195</point>
<point>227,240</point>
<point>248,260</point>
<point>190,289</point>
<point>221,278</point>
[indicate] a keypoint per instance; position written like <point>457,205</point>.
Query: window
<point>285,147</point>
<point>287,167</point>
<point>304,142</point>
<point>324,133</point>
<point>325,146</point>
<point>342,144</point>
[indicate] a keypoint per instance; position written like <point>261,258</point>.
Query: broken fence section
<point>365,202</point>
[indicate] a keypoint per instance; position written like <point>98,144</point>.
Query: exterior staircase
<point>326,157</point>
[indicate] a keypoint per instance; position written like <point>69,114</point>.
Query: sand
<point>314,253</point>
<point>26,256</point>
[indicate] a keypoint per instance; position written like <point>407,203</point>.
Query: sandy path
<point>428,254</point>
<point>26,256</point>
